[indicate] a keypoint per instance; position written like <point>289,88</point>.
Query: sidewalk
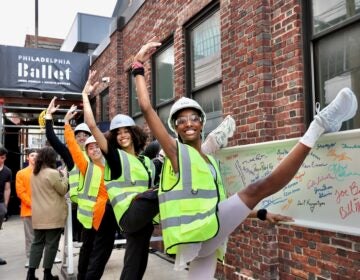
<point>12,249</point>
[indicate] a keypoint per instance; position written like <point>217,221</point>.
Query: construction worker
<point>196,216</point>
<point>94,210</point>
<point>82,132</point>
<point>131,176</point>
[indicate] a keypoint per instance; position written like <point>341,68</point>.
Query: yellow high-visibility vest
<point>88,193</point>
<point>136,177</point>
<point>189,200</point>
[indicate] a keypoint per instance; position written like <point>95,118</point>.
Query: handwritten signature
<point>311,204</point>
<point>318,180</point>
<point>341,172</point>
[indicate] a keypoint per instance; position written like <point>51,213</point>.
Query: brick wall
<point>262,87</point>
<point>43,42</point>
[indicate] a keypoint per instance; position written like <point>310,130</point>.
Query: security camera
<point>105,79</point>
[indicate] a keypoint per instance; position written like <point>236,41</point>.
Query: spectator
<point>23,191</point>
<point>5,188</point>
<point>49,211</point>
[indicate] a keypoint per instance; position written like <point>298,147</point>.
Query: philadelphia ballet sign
<point>42,70</point>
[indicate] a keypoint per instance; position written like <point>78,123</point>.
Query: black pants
<point>137,226</point>
<point>97,247</point>
<point>77,227</point>
<point>47,239</point>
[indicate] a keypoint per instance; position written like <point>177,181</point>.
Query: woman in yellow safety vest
<point>94,212</point>
<point>196,218</point>
<point>130,183</point>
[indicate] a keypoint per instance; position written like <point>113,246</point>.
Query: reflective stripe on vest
<point>74,179</point>
<point>88,195</point>
<point>133,180</point>
<point>188,203</point>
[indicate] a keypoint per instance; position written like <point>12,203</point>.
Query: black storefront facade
<point>29,79</point>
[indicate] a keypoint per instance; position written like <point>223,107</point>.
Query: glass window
<point>163,113</point>
<point>205,51</point>
<point>104,99</point>
<point>164,75</point>
<point>337,65</point>
<point>331,12</point>
<point>205,67</point>
<point>209,99</point>
<point>93,105</point>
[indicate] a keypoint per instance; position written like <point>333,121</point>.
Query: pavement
<point>12,249</point>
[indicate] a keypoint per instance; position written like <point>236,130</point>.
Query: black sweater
<point>58,146</point>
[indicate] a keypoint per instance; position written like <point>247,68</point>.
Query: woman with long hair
<point>130,177</point>
<point>49,211</point>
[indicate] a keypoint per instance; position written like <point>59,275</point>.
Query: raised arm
<point>157,128</point>
<point>54,141</point>
<point>89,118</point>
<point>74,149</point>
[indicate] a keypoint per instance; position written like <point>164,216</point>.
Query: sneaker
<point>218,138</point>
<point>341,109</point>
<point>27,263</point>
<point>57,260</point>
<point>2,261</point>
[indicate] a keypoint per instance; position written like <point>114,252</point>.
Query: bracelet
<point>138,71</point>
<point>261,214</point>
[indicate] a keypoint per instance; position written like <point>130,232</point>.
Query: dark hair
<point>46,157</point>
<point>152,149</point>
<point>3,151</point>
<point>138,136</point>
<point>31,150</point>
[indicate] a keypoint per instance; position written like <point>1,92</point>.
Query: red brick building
<point>43,42</point>
<point>263,62</point>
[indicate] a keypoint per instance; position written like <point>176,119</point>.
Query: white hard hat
<point>121,120</point>
<point>82,127</point>
<point>184,103</point>
<point>90,140</point>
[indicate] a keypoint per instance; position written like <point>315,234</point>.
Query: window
<point>93,105</point>
<point>104,99</point>
<point>163,79</point>
<point>336,47</point>
<point>204,79</point>
<point>164,75</point>
<point>332,12</point>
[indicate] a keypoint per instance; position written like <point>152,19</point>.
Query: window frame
<point>104,94</point>
<point>168,103</point>
<point>191,91</point>
<point>194,22</point>
<point>310,40</point>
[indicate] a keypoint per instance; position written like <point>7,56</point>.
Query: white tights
<point>204,265</point>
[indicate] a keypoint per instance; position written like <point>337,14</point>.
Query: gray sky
<point>17,17</point>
